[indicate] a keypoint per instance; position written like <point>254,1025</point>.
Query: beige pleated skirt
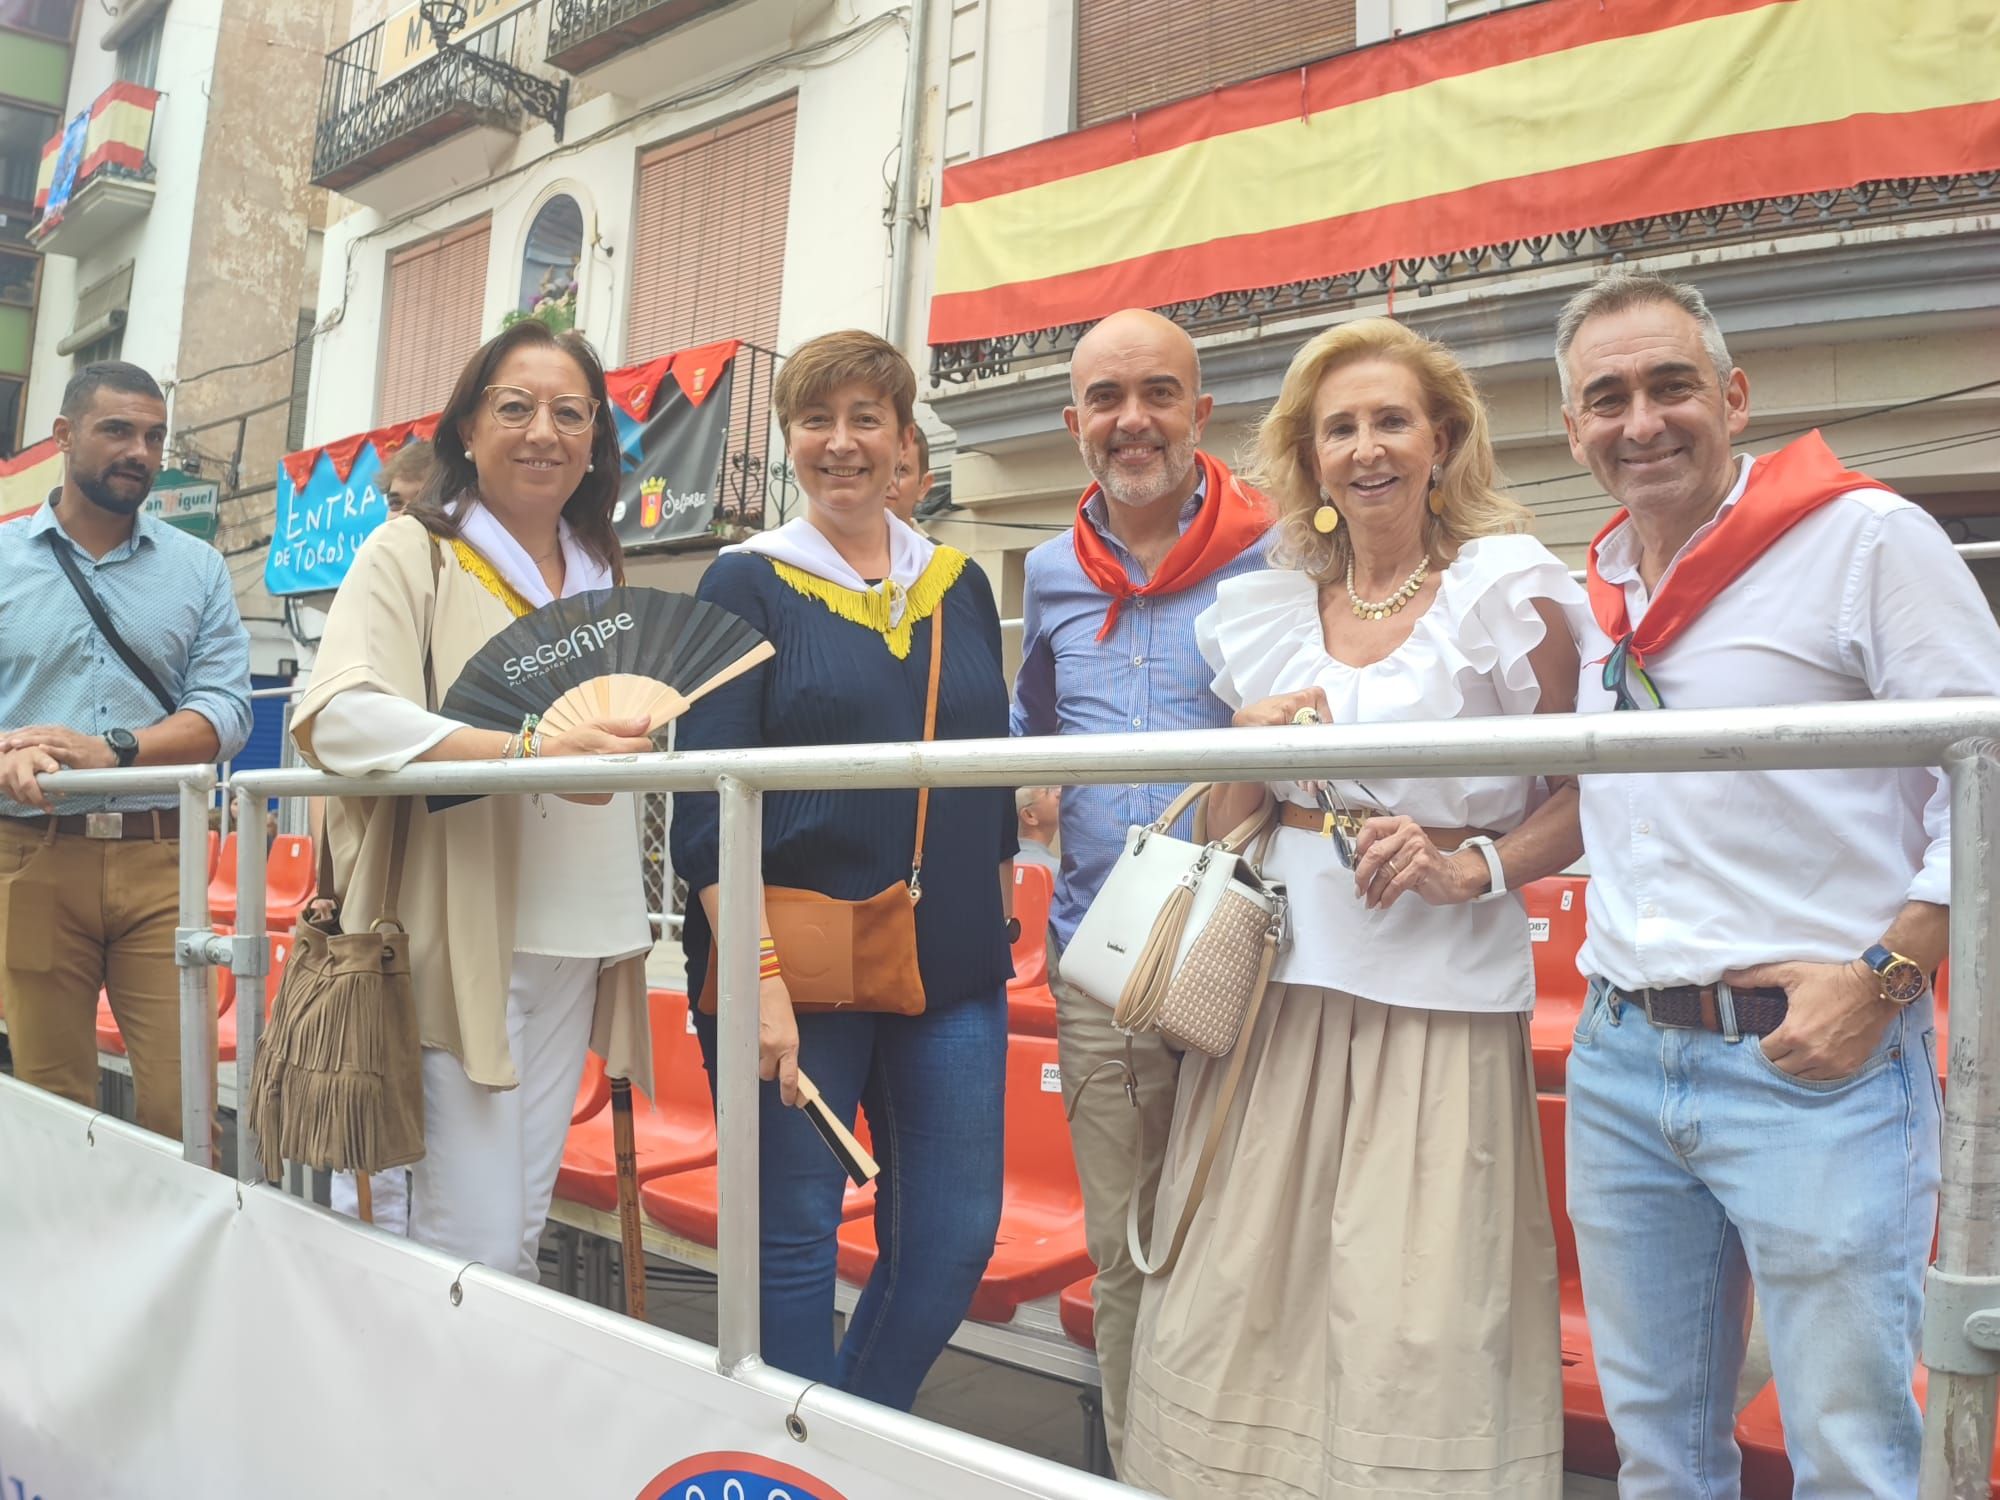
<point>1366,1303</point>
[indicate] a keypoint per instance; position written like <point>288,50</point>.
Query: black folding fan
<point>619,653</point>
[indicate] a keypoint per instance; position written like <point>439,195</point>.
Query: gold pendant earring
<point>1437,495</point>
<point>1326,519</point>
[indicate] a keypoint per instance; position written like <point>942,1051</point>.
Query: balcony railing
<point>97,172</point>
<point>756,488</point>
<point>1870,203</point>
<point>584,33</point>
<point>367,123</point>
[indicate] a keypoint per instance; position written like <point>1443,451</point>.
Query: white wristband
<point>1496,875</point>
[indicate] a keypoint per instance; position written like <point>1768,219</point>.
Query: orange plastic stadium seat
<point>214,851</point>
<point>1079,1313</point>
<point>593,1090</point>
<point>290,881</point>
<point>1760,1432</point>
<point>1039,1249</point>
<point>684,1203</point>
<point>1588,1447</point>
<point>1031,1006</point>
<point>222,886</point>
<point>110,1040</point>
<point>672,1131</point>
<point>1555,932</point>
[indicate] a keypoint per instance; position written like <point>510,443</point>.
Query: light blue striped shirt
<point>1146,674</point>
<point>170,596</point>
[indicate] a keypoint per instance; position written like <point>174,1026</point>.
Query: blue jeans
<point>933,1087</point>
<point>1697,1168</point>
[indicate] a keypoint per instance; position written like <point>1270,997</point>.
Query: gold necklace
<point>1377,609</point>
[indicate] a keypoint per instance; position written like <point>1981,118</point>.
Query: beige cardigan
<point>460,872</point>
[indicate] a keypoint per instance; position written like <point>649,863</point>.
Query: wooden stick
<point>364,1197</point>
<point>850,1153</point>
<point>625,1155</point>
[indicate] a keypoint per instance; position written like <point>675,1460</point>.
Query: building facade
<point>182,235</point>
<point>35,38</point>
<point>1871,313</point>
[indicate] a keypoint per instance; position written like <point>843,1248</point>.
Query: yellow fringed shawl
<point>873,607</point>
<point>490,580</point>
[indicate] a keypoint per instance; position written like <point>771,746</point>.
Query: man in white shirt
<point>1753,1089</point>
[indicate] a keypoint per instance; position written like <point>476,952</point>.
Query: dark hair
<point>106,375</point>
<point>454,475</point>
<point>414,460</point>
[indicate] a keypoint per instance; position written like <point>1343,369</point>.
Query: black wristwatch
<point>1012,927</point>
<point>124,744</point>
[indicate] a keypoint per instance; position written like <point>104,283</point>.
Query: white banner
<point>163,1333</point>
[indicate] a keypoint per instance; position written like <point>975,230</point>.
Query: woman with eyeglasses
<point>1366,1300</point>
<point>527,915</point>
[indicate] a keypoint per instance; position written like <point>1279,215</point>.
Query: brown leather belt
<point>153,824</point>
<point>1312,820</point>
<point>1693,1007</point>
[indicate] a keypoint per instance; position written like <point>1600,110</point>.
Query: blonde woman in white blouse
<point>1367,1299</point>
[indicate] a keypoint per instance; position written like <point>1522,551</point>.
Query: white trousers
<point>482,1189</point>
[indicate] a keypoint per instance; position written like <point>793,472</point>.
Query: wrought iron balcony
<point>368,123</point>
<point>584,33</point>
<point>1758,218</point>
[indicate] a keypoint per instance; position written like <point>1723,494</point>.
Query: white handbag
<point>1180,942</point>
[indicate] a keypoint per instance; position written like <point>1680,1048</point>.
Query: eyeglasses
<point>1625,679</point>
<point>513,407</point>
<point>1343,823</point>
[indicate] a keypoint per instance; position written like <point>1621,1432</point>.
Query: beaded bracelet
<point>767,959</point>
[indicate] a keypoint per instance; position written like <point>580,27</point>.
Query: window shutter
<point>1135,54</point>
<point>708,256</point>
<point>436,297</point>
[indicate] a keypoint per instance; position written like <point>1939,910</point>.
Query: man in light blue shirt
<point>1109,647</point>
<point>89,886</point>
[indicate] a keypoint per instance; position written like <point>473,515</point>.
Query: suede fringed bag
<point>338,1085</point>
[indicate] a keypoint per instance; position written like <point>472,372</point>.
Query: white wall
<point>158,244</point>
<point>849,106</point>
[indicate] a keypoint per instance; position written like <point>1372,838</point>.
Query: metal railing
<point>574,24</point>
<point>1962,1329</point>
<point>358,117</point>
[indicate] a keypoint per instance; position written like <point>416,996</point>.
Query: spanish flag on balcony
<point>27,478</point>
<point>116,131</point>
<point>1533,121</point>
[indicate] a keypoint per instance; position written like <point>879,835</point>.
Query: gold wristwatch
<point>1902,979</point>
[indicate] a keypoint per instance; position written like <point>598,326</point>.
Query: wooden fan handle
<point>625,1157</point>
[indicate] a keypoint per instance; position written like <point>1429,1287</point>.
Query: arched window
<point>549,259</point>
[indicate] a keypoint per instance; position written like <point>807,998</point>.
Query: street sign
<point>182,500</point>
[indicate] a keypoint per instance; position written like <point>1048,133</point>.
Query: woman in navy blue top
<point>850,598</point>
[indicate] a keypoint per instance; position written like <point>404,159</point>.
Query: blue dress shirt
<point>170,596</point>
<point>1146,674</point>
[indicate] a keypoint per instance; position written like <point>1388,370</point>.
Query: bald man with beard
<point>1109,647</point>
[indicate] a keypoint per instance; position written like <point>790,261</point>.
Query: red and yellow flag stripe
<point>27,478</point>
<point>119,134</point>
<point>1528,122</point>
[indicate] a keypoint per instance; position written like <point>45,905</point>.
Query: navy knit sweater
<point>834,682</point>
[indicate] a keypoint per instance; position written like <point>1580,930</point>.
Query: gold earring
<point>1326,519</point>
<point>1437,495</point>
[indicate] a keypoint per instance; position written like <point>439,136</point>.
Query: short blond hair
<point>1285,471</point>
<point>821,366</point>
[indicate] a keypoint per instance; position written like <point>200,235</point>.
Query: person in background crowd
<point>851,598</point>
<point>90,885</point>
<point>1037,823</point>
<point>1366,1301</point>
<point>1753,1088</point>
<point>403,477</point>
<point>526,915</point>
<point>913,478</point>
<point>1108,646</point>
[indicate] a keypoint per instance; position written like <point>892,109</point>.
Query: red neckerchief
<point>1232,516</point>
<point>1783,489</point>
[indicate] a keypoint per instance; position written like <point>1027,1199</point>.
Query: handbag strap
<point>1134,1238</point>
<point>1237,839</point>
<point>98,615</point>
<point>400,839</point>
<point>930,733</point>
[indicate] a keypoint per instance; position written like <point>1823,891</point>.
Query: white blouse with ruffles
<point>1466,657</point>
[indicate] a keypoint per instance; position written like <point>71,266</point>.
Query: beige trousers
<point>78,915</point>
<point>1103,1130</point>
